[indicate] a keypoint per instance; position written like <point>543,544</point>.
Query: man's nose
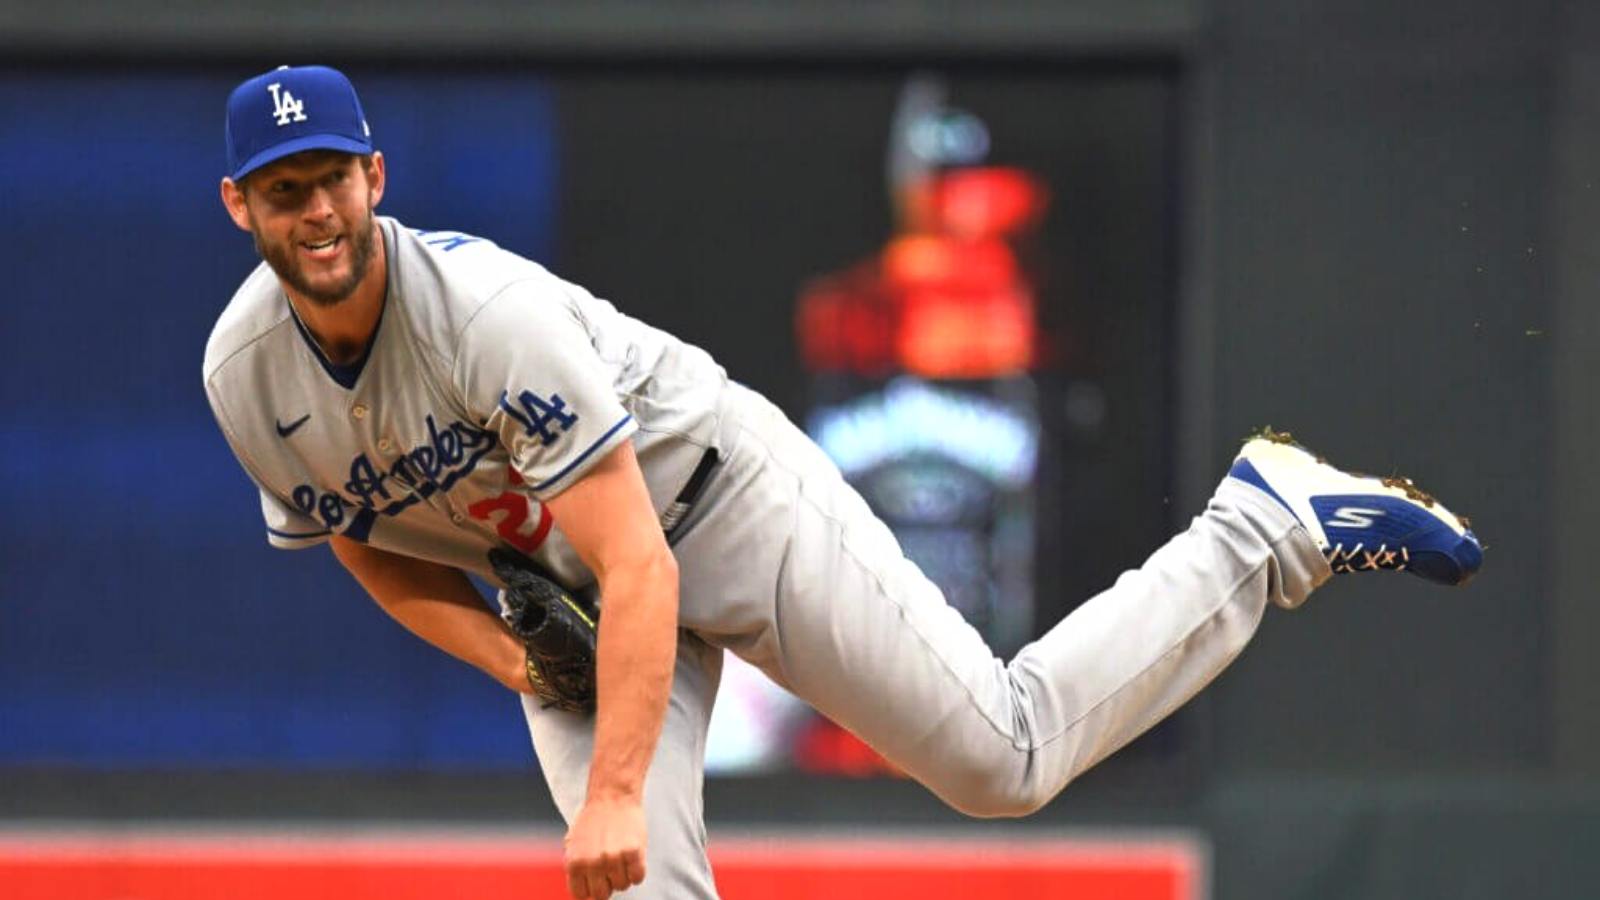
<point>319,205</point>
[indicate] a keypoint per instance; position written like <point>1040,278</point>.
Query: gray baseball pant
<point>782,563</point>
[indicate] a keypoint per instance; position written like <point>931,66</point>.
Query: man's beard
<point>282,261</point>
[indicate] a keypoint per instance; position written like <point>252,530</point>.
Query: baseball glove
<point>558,630</point>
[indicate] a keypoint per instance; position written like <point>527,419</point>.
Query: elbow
<point>660,572</point>
<point>648,577</point>
<point>668,566</point>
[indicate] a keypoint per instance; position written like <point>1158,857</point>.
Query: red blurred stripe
<point>409,866</point>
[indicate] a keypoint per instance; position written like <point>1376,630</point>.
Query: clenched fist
<point>605,848</point>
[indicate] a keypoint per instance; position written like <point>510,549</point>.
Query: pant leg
<point>858,632</point>
<point>675,855</point>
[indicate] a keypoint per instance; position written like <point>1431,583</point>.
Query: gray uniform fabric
<point>780,561</point>
<point>783,564</point>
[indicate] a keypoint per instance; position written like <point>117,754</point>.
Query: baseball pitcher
<point>431,405</point>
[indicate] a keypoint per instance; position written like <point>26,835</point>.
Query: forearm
<point>438,604</point>
<point>635,659</point>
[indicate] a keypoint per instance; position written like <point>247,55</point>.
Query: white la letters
<point>285,106</point>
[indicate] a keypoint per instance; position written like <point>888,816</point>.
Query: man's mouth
<point>322,249</point>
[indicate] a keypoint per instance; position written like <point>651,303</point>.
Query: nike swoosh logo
<point>286,430</point>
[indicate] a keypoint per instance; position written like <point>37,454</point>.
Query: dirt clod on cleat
<point>1413,492</point>
<point>1266,433</point>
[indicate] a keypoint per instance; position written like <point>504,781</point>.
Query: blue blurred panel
<point>143,619</point>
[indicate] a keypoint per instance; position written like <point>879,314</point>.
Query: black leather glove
<point>558,630</point>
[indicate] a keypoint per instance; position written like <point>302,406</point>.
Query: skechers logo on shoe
<point>1353,517</point>
<point>286,430</point>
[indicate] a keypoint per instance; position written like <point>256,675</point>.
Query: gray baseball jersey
<point>490,385</point>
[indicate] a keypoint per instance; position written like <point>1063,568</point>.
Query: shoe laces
<point>1360,559</point>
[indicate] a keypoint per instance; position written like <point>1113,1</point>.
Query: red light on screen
<point>933,260</point>
<point>845,323</point>
<point>965,308</point>
<point>945,336</point>
<point>980,202</point>
<point>948,300</point>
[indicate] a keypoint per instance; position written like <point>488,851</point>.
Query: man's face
<point>311,217</point>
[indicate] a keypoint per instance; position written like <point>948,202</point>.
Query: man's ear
<point>375,178</point>
<point>233,201</point>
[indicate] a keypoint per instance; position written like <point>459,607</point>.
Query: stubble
<point>281,259</point>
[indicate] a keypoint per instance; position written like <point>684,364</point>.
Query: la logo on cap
<point>285,106</point>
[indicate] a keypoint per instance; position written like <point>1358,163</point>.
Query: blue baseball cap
<point>289,110</point>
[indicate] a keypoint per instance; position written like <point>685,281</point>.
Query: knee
<point>1006,791</point>
<point>1001,804</point>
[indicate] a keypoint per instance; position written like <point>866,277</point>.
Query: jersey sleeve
<point>528,367</point>
<point>288,528</point>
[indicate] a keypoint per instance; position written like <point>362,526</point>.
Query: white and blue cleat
<point>1360,522</point>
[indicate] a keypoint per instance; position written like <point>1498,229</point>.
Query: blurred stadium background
<point>1375,224</point>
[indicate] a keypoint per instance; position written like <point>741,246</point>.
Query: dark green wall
<point>1381,287</point>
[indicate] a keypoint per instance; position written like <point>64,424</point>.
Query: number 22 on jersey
<point>508,511</point>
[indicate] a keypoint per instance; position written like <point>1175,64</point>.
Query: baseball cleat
<point>1361,522</point>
